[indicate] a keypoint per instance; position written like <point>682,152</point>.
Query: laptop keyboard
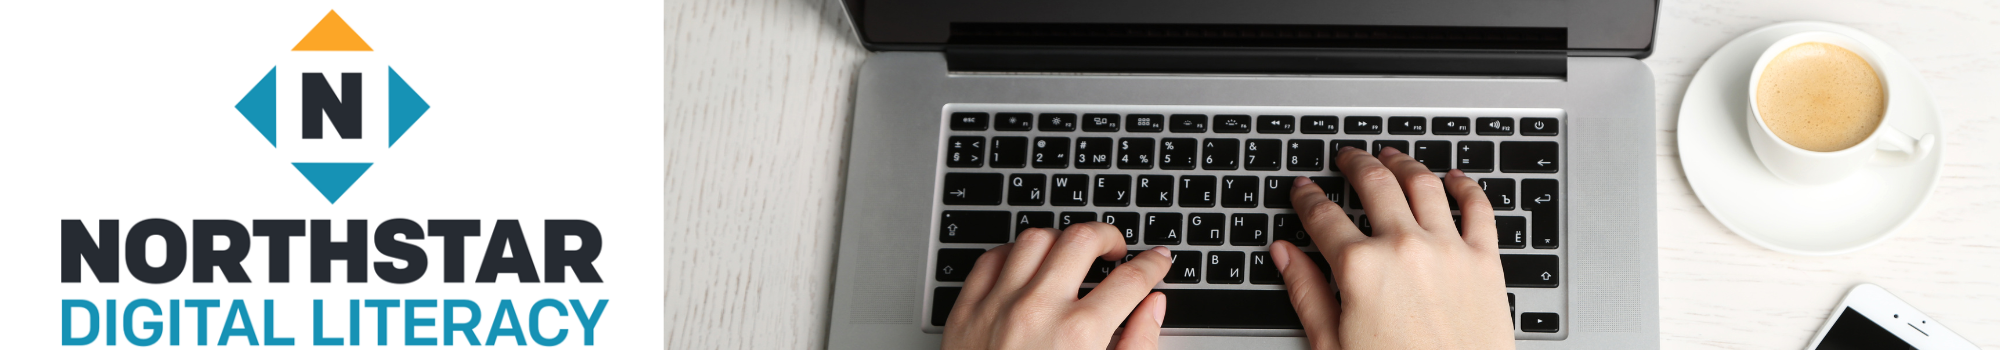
<point>1213,184</point>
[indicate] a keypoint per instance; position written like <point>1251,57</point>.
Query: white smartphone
<point>1871,318</point>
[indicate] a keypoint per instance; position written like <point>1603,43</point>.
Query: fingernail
<point>1159,310</point>
<point>1301,181</point>
<point>1162,251</point>
<point>1281,258</point>
<point>1390,150</point>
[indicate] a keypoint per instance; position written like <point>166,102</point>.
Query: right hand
<point>1416,283</point>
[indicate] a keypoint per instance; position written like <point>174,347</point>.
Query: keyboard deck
<point>1213,184</point>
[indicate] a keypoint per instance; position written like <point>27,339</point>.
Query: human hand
<point>1023,295</point>
<point>1416,283</point>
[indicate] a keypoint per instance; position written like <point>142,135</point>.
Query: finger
<point>1324,220</point>
<point>1082,244</point>
<point>978,283</point>
<point>1312,295</point>
<point>1023,261</point>
<point>1142,329</point>
<point>1126,285</point>
<point>1474,211</point>
<point>1376,186</point>
<point>1424,189</point>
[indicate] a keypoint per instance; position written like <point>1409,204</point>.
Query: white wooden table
<point>758,101</point>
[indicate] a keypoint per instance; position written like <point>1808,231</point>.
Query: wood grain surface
<point>759,94</point>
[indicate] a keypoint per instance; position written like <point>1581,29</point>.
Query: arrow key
<point>1540,322</point>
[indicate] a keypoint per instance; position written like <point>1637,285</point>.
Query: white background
<point>126,111</point>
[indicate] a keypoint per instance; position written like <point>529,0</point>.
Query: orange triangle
<point>332,34</point>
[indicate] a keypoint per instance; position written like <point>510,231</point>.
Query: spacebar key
<point>1219,308</point>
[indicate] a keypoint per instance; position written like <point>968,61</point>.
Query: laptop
<point>1182,123</point>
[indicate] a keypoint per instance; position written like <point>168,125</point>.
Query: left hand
<point>1023,295</point>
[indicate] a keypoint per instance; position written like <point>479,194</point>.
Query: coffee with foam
<point>1820,97</point>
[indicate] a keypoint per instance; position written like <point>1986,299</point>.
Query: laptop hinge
<point>1242,60</point>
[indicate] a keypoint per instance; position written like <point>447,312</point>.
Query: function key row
<point>1263,124</point>
<point>1143,153</point>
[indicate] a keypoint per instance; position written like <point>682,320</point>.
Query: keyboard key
<point>1541,197</point>
<point>1531,271</point>
<point>1239,191</point>
<point>1319,124</point>
<point>1069,189</point>
<point>1263,154</point>
<point>1013,122</point>
<point>1026,189</point>
<point>1197,191</point>
<point>1127,223</point>
<point>1400,145</point>
<point>942,298</point>
<point>1540,126</point>
<point>1222,308</point>
<point>1475,156</point>
<point>1500,192</point>
<point>1540,322</point>
<point>1529,157</point>
<point>1098,270</point>
<point>1501,126</point>
<point>1232,123</point>
<point>1178,153</point>
<point>1333,150</point>
<point>1058,122</point>
<point>1186,268</point>
<point>1073,217</point>
<point>1334,187</point>
<point>1287,227</point>
<point>1135,153</point>
<point>1144,122</point>
<point>965,152</point>
<point>1278,191</point>
<point>1263,270</point>
<point>1155,191</point>
<point>1113,190</point>
<point>1163,228</point>
<point>971,189</point>
<point>1406,125</point>
<point>1010,152</point>
<point>1034,219</point>
<point>1248,229</point>
<point>968,121</point>
<point>1305,155</point>
<point>1364,125</point>
<point>1218,154</point>
<point>1100,122</point>
<point>1051,152</point>
<point>1093,153</point>
<point>970,226</point>
<point>1188,123</point>
<point>1274,124</point>
<point>1206,228</point>
<point>1435,155</point>
<point>1513,231</point>
<point>954,264</point>
<point>1451,126</point>
<point>1225,268</point>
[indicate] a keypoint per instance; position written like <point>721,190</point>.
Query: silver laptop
<point>1182,123</point>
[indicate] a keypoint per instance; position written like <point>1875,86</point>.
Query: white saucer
<point>1805,220</point>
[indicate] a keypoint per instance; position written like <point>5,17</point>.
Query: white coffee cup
<point>1884,146</point>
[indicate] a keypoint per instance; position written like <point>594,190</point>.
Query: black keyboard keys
<point>1127,223</point>
<point>1058,122</point>
<point>1010,152</point>
<point>1239,191</point>
<point>1263,154</point>
<point>1529,157</point>
<point>1093,153</point>
<point>1033,219</point>
<point>1135,153</point>
<point>1334,187</point>
<point>1186,268</point>
<point>1475,156</point>
<point>1163,228</point>
<point>1540,126</point>
<point>973,226</point>
<point>1144,122</point>
<point>942,300</point>
<point>1540,322</point>
<point>1098,270</point>
<point>1333,149</point>
<point>1188,123</point>
<point>1051,152</point>
<point>1287,227</point>
<point>1155,191</point>
<point>954,264</point>
<point>1305,155</point>
<point>1435,155</point>
<point>1197,191</point>
<point>1225,268</point>
<point>1112,190</point>
<point>1232,123</point>
<point>1400,145</point>
<point>1319,124</point>
<point>1278,191</point>
<point>1531,271</point>
<point>1249,229</point>
<point>1069,189</point>
<point>1013,122</point>
<point>1178,153</point>
<point>1494,126</point>
<point>971,189</point>
<point>1100,122</point>
<point>968,121</point>
<point>1499,192</point>
<point>1263,270</point>
<point>965,152</point>
<point>1074,217</point>
<point>1206,228</point>
<point>1026,189</point>
<point>1274,124</point>
<point>1218,154</point>
<point>1542,197</point>
<point>1513,231</point>
<point>1364,125</point>
<point>1451,126</point>
<point>1220,308</point>
<point>1406,125</point>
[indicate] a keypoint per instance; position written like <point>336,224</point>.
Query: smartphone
<point>1871,318</point>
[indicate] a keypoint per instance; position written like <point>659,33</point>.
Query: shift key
<point>1531,271</point>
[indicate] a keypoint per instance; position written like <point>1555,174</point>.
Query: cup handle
<point>1902,148</point>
